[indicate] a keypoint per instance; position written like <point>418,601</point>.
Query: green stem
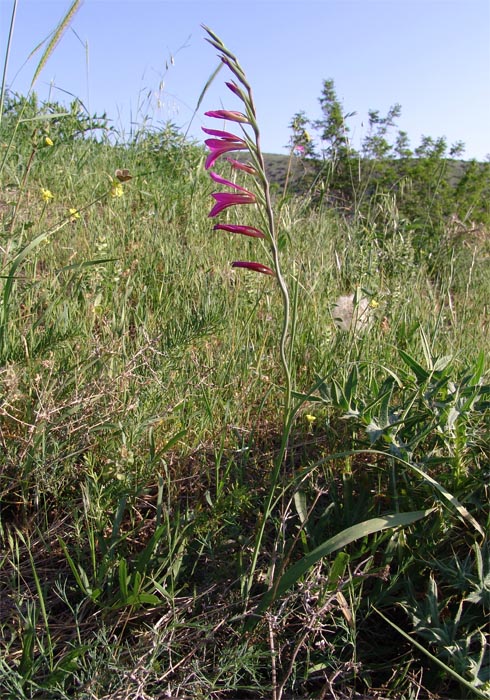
<point>23,186</point>
<point>6,59</point>
<point>288,172</point>
<point>282,284</point>
<point>288,414</point>
<point>286,340</point>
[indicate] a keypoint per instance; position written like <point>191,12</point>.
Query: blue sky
<point>138,58</point>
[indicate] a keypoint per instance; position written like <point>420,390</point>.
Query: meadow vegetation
<point>140,417</point>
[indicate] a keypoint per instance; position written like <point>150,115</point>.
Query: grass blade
<point>342,539</point>
<point>6,59</point>
<point>447,669</point>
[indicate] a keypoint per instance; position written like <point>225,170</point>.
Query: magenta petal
<point>221,180</point>
<point>226,145</point>
<point>235,89</point>
<point>226,135</point>
<point>244,230</point>
<point>217,148</point>
<point>228,199</point>
<point>227,114</point>
<point>238,165</point>
<point>256,267</point>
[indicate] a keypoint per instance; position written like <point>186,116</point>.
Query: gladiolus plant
<point>223,143</point>
<point>258,196</point>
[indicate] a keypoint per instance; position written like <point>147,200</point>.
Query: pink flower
<point>227,114</point>
<point>236,90</point>
<point>255,266</point>
<point>222,181</point>
<point>226,135</point>
<point>238,165</point>
<point>244,230</point>
<point>225,143</point>
<point>227,199</point>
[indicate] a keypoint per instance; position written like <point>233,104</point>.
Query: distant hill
<point>302,172</point>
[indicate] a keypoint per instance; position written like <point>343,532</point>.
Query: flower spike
<point>223,142</point>
<point>240,87</point>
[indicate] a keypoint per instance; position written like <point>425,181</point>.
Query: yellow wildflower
<point>374,304</point>
<point>46,194</point>
<point>74,214</point>
<point>48,141</point>
<point>310,420</point>
<point>117,189</point>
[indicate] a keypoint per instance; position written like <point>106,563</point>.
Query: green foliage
<point>31,122</point>
<point>428,186</point>
<point>334,132</point>
<point>456,630</point>
<point>300,138</point>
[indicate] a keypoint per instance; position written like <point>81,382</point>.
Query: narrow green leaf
<point>123,580</point>
<point>463,512</point>
<point>207,85</point>
<point>149,599</point>
<point>479,693</point>
<point>173,440</point>
<point>42,605</point>
<point>342,539</point>
<point>85,263</point>
<point>448,496</point>
<point>351,386</point>
<point>73,567</point>
<point>121,508</point>
<point>44,117</point>
<point>337,570</point>
<point>426,348</point>
<point>150,550</point>
<point>479,368</point>
<point>421,373</point>
<point>6,59</point>
<point>301,507</point>
<point>27,658</point>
